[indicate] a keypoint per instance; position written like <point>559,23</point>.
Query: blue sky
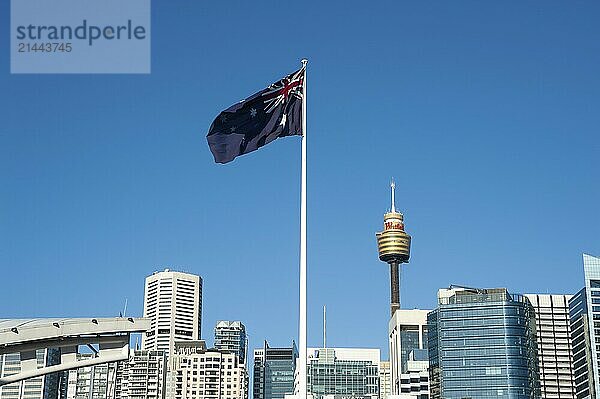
<point>486,114</point>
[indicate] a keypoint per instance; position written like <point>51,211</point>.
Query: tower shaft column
<point>395,286</point>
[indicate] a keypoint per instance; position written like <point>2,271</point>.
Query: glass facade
<point>408,353</point>
<point>580,338</point>
<point>231,336</point>
<point>584,314</point>
<point>482,345</point>
<point>274,372</point>
<point>409,341</point>
<point>329,375</point>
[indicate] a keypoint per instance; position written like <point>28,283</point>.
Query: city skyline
<point>544,342</point>
<point>495,163</point>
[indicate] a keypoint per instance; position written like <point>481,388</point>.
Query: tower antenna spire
<point>393,189</point>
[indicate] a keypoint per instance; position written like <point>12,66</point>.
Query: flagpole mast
<point>302,327</point>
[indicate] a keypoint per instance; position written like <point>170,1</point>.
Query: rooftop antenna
<point>125,309</point>
<point>324,326</point>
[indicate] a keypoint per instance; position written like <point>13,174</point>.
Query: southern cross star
<point>252,112</point>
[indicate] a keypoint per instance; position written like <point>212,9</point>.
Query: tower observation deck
<point>394,248</point>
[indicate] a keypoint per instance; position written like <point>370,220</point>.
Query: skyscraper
<point>394,248</point>
<point>173,302</point>
<point>408,353</point>
<point>482,344</point>
<point>274,370</point>
<point>231,336</point>
<point>584,313</point>
<point>555,353</point>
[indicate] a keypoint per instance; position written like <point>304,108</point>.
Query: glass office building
<point>343,372</point>
<point>231,336</point>
<point>482,345</point>
<point>584,314</point>
<point>408,353</point>
<point>274,370</point>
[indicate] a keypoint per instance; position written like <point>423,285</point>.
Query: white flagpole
<point>302,338</point>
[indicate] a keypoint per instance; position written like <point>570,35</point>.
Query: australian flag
<point>261,118</point>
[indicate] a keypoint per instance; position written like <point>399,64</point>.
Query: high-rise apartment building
<point>343,372</point>
<point>555,353</point>
<point>408,353</point>
<point>46,387</point>
<point>91,382</point>
<point>584,313</point>
<point>173,302</point>
<point>231,336</point>
<point>482,344</point>
<point>200,373</point>
<point>143,376</point>
<point>274,371</point>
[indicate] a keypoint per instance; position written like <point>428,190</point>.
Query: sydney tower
<point>394,248</point>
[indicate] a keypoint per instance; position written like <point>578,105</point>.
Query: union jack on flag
<point>259,119</point>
